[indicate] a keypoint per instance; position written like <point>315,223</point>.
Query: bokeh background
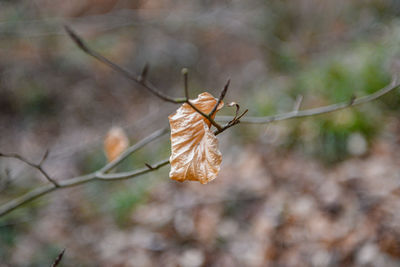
<point>319,191</point>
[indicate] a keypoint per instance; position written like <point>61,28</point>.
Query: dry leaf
<point>115,143</point>
<point>195,155</point>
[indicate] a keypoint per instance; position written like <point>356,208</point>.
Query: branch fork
<point>211,115</point>
<point>38,166</point>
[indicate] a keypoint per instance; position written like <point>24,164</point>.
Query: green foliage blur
<point>352,71</point>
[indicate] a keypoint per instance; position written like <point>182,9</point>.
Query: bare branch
<point>210,116</point>
<point>187,100</point>
<point>107,168</point>
<point>81,44</point>
<point>102,175</point>
<point>233,122</point>
<point>36,166</point>
<point>317,111</point>
<point>131,174</point>
<point>28,197</point>
<point>98,175</point>
<point>211,120</point>
<point>241,115</point>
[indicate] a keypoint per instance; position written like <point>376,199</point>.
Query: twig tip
<point>149,166</point>
<point>184,71</point>
<point>144,73</point>
<point>76,38</point>
<point>58,259</point>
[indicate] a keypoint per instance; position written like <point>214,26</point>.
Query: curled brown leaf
<point>195,155</point>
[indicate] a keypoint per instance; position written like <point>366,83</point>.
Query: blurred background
<point>318,191</point>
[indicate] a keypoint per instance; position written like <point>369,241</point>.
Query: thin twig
<point>297,104</point>
<point>38,192</point>
<point>241,115</point>
<point>81,44</point>
<point>46,154</point>
<point>107,168</point>
<point>148,166</point>
<point>142,81</point>
<point>98,175</point>
<point>237,109</point>
<point>103,175</point>
<point>34,165</point>
<point>236,120</point>
<point>28,197</point>
<point>95,176</point>
<point>58,259</point>
<point>143,76</point>
<point>187,100</point>
<point>130,174</point>
<point>316,111</point>
<point>185,73</point>
<point>211,120</point>
<point>221,97</point>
